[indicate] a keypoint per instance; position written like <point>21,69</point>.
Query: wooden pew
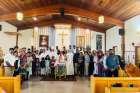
<point>98,84</point>
<point>10,84</point>
<point>1,70</point>
<point>122,90</point>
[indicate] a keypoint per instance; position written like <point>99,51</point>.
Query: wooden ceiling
<point>120,10</point>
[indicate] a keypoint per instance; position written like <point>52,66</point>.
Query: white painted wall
<point>25,40</point>
<point>132,34</point>
<point>113,39</point>
<point>7,41</point>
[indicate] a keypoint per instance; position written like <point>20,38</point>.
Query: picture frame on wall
<point>80,41</point>
<point>99,42</point>
<point>43,40</point>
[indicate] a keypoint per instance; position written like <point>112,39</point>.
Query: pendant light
<point>101,19</point>
<point>19,16</point>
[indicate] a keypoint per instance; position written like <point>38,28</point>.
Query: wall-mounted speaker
<point>121,32</point>
<point>0,27</point>
<point>62,11</point>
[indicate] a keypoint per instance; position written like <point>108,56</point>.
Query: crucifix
<point>62,37</point>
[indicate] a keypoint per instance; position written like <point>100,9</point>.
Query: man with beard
<point>112,63</point>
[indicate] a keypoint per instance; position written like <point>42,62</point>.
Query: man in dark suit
<point>75,62</point>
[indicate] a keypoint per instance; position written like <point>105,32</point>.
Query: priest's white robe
<point>69,64</point>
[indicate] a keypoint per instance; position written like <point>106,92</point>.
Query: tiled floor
<point>80,86</point>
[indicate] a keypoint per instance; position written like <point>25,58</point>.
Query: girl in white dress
<point>29,63</point>
<point>95,60</point>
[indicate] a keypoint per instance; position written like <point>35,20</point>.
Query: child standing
<point>47,63</point>
<point>52,63</point>
<point>29,64</point>
<point>43,66</point>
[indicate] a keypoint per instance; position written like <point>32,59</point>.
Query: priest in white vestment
<point>69,64</point>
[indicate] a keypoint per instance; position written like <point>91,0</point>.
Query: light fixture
<point>62,26</point>
<point>101,19</point>
<point>87,31</point>
<point>19,16</point>
<point>36,29</point>
<point>79,18</point>
<point>35,18</point>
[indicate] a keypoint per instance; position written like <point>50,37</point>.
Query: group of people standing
<point>38,62</point>
<point>77,61</point>
<point>97,63</point>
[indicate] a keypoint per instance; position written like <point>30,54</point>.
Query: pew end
<point>10,84</point>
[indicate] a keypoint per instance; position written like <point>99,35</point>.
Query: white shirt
<point>47,52</point>
<point>104,62</point>
<point>95,59</point>
<point>69,56</point>
<point>9,58</point>
<point>42,55</point>
<point>74,50</point>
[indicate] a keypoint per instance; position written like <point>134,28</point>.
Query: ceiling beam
<point>68,10</point>
<point>51,22</point>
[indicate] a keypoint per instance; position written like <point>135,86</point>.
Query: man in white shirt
<point>74,49</point>
<point>42,55</point>
<point>70,49</point>
<point>9,61</point>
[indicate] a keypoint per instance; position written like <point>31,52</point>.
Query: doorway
<point>137,54</point>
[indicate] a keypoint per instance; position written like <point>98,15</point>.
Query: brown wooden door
<point>137,59</point>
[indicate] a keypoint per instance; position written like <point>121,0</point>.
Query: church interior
<point>69,46</point>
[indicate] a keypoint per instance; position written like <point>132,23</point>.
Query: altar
<point>62,35</point>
